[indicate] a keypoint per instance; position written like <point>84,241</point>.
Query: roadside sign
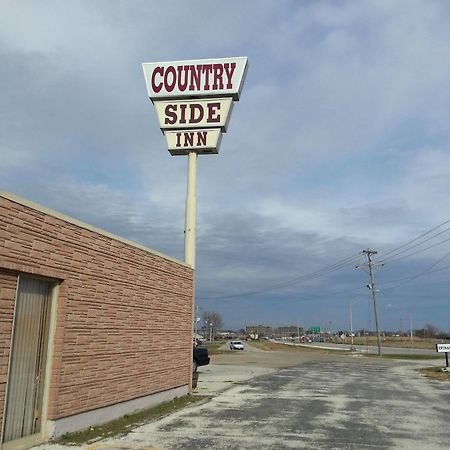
<point>202,113</point>
<point>314,329</point>
<point>443,348</point>
<point>195,78</point>
<point>195,98</point>
<point>202,141</point>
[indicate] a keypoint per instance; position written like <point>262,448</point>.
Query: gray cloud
<point>340,140</point>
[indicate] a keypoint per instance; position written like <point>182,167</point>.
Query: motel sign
<point>196,99</point>
<point>193,101</point>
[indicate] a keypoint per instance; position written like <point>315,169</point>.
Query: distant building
<point>259,330</point>
<point>288,331</point>
<point>226,334</point>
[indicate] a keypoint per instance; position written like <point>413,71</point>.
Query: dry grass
<point>435,373</point>
<point>126,423</point>
<point>400,342</point>
<point>274,346</point>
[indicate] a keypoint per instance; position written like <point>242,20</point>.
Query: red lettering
<point>195,77</point>
<point>229,73</point>
<point>212,110</point>
<point>183,113</point>
<point>188,139</point>
<point>218,75</point>
<point>199,108</point>
<point>156,88</point>
<point>201,138</point>
<point>171,115</point>
<point>170,71</point>
<point>182,85</point>
<point>207,69</point>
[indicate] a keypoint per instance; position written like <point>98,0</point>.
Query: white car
<point>236,345</point>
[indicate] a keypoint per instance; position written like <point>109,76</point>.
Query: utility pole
<point>371,286</point>
<point>411,331</point>
<point>369,253</point>
<point>351,326</point>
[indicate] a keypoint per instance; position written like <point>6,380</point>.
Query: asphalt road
<point>321,405</point>
<point>341,402</point>
<point>247,347</point>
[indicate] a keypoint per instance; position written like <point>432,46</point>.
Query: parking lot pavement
<point>340,404</point>
<point>217,378</point>
<point>337,403</point>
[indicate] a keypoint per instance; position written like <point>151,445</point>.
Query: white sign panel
<point>184,114</point>
<point>442,348</point>
<point>201,141</point>
<point>196,78</point>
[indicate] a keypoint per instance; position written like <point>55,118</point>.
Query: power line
<point>418,251</point>
<point>297,280</point>
<point>440,270</point>
<point>383,261</point>
<point>424,272</point>
<point>417,238</point>
<point>303,297</point>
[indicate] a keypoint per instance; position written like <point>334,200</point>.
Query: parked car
<point>200,358</point>
<point>236,345</point>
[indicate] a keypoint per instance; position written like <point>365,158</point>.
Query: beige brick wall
<point>124,314</point>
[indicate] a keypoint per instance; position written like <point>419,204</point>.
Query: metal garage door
<point>26,373</point>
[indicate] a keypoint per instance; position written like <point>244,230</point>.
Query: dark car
<point>201,358</point>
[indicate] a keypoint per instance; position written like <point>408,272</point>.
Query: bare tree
<point>213,322</point>
<point>428,331</point>
<point>431,330</point>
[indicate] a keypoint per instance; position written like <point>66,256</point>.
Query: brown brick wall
<point>124,314</point>
<point>8,283</point>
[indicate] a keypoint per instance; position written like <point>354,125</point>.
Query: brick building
<point>92,326</point>
<point>260,330</point>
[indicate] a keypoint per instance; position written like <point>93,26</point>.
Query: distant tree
<point>431,330</point>
<point>213,322</point>
<point>428,331</point>
<point>443,335</point>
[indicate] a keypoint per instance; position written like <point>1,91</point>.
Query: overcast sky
<point>340,142</point>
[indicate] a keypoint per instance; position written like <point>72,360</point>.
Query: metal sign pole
<point>191,211</point>
<point>193,117</point>
<point>189,233</point>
